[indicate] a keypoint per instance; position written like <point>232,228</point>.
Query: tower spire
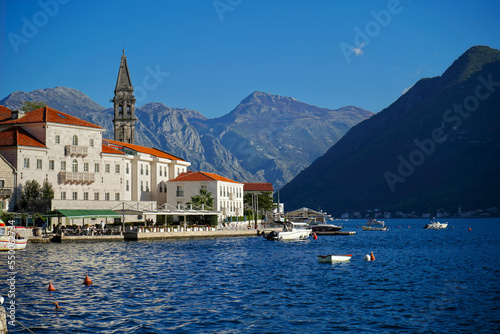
<point>124,105</point>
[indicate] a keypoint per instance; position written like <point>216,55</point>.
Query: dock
<point>336,233</point>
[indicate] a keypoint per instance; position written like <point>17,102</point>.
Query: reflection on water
<point>421,281</point>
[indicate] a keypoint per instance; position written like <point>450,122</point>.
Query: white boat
<point>291,231</point>
<point>10,238</point>
<point>379,226</point>
<point>435,225</point>
<point>334,258</point>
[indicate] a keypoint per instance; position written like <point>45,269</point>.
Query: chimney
<point>16,114</point>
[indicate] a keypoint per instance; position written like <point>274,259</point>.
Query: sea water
<point>422,281</point>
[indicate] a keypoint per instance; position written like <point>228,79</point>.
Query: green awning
<point>79,214</point>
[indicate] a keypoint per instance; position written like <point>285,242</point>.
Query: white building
<point>227,194</point>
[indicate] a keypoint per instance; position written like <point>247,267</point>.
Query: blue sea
<point>422,281</point>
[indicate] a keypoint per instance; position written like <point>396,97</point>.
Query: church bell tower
<point>124,105</point>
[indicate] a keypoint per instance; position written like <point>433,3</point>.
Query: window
<point>147,185</point>
<point>142,186</point>
<point>91,143</point>
<point>38,163</point>
<point>204,188</point>
<point>117,169</point>
<point>106,196</point>
<point>85,166</point>
<point>58,139</point>
<point>63,165</point>
<point>180,191</point>
<point>96,196</point>
<point>74,167</point>
<point>106,168</point>
<point>51,164</point>
<point>147,170</point>
<point>142,169</point>
<point>63,195</point>
<point>2,183</point>
<point>26,163</point>
<point>127,170</point>
<point>96,167</point>
<point>85,196</point>
<point>75,140</point>
<point>75,195</point>
<point>117,196</point>
<point>127,186</point>
<point>161,169</point>
<point>160,188</point>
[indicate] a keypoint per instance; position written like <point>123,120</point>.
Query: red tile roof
<point>142,149</point>
<point>46,115</point>
<point>16,136</point>
<point>110,150</point>
<point>258,187</point>
<point>4,113</point>
<point>201,176</point>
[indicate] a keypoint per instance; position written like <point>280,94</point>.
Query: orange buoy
<point>87,280</point>
<point>400,227</point>
<point>470,229</point>
<point>315,237</point>
<point>51,287</point>
<point>408,226</point>
<point>372,257</point>
<point>57,305</point>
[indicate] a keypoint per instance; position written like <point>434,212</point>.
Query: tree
<point>47,190</point>
<point>31,191</point>
<point>263,202</point>
<point>28,106</point>
<point>203,199</point>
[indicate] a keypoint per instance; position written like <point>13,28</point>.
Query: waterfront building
<point>227,193</point>
<point>257,188</point>
<point>85,170</point>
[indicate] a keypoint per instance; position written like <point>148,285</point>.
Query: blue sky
<point>208,55</point>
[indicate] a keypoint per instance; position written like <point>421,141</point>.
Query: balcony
<point>76,177</point>
<point>76,151</point>
<point>5,192</point>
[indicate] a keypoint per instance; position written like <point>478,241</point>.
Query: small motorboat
<point>10,239</point>
<point>291,231</point>
<point>326,226</point>
<point>374,225</point>
<point>434,225</point>
<point>334,258</point>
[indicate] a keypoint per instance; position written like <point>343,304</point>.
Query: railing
<point>6,192</point>
<point>76,177</point>
<point>73,150</point>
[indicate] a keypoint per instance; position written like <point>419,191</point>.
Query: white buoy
<point>367,257</point>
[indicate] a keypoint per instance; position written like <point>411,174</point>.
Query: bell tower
<point>124,105</point>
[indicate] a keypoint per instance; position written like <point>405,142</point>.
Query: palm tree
<point>203,199</point>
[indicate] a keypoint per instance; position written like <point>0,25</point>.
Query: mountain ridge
<point>219,145</point>
<point>375,165</point>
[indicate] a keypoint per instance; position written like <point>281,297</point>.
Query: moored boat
<point>291,231</point>
<point>435,225</point>
<point>327,226</point>
<point>334,258</point>
<point>10,239</point>
<point>373,225</point>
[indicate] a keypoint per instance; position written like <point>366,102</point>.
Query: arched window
<point>128,110</point>
<point>75,166</point>
<point>120,111</point>
<point>75,140</point>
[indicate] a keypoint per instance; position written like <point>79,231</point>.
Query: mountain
<point>437,146</point>
<point>276,136</point>
<point>266,138</point>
